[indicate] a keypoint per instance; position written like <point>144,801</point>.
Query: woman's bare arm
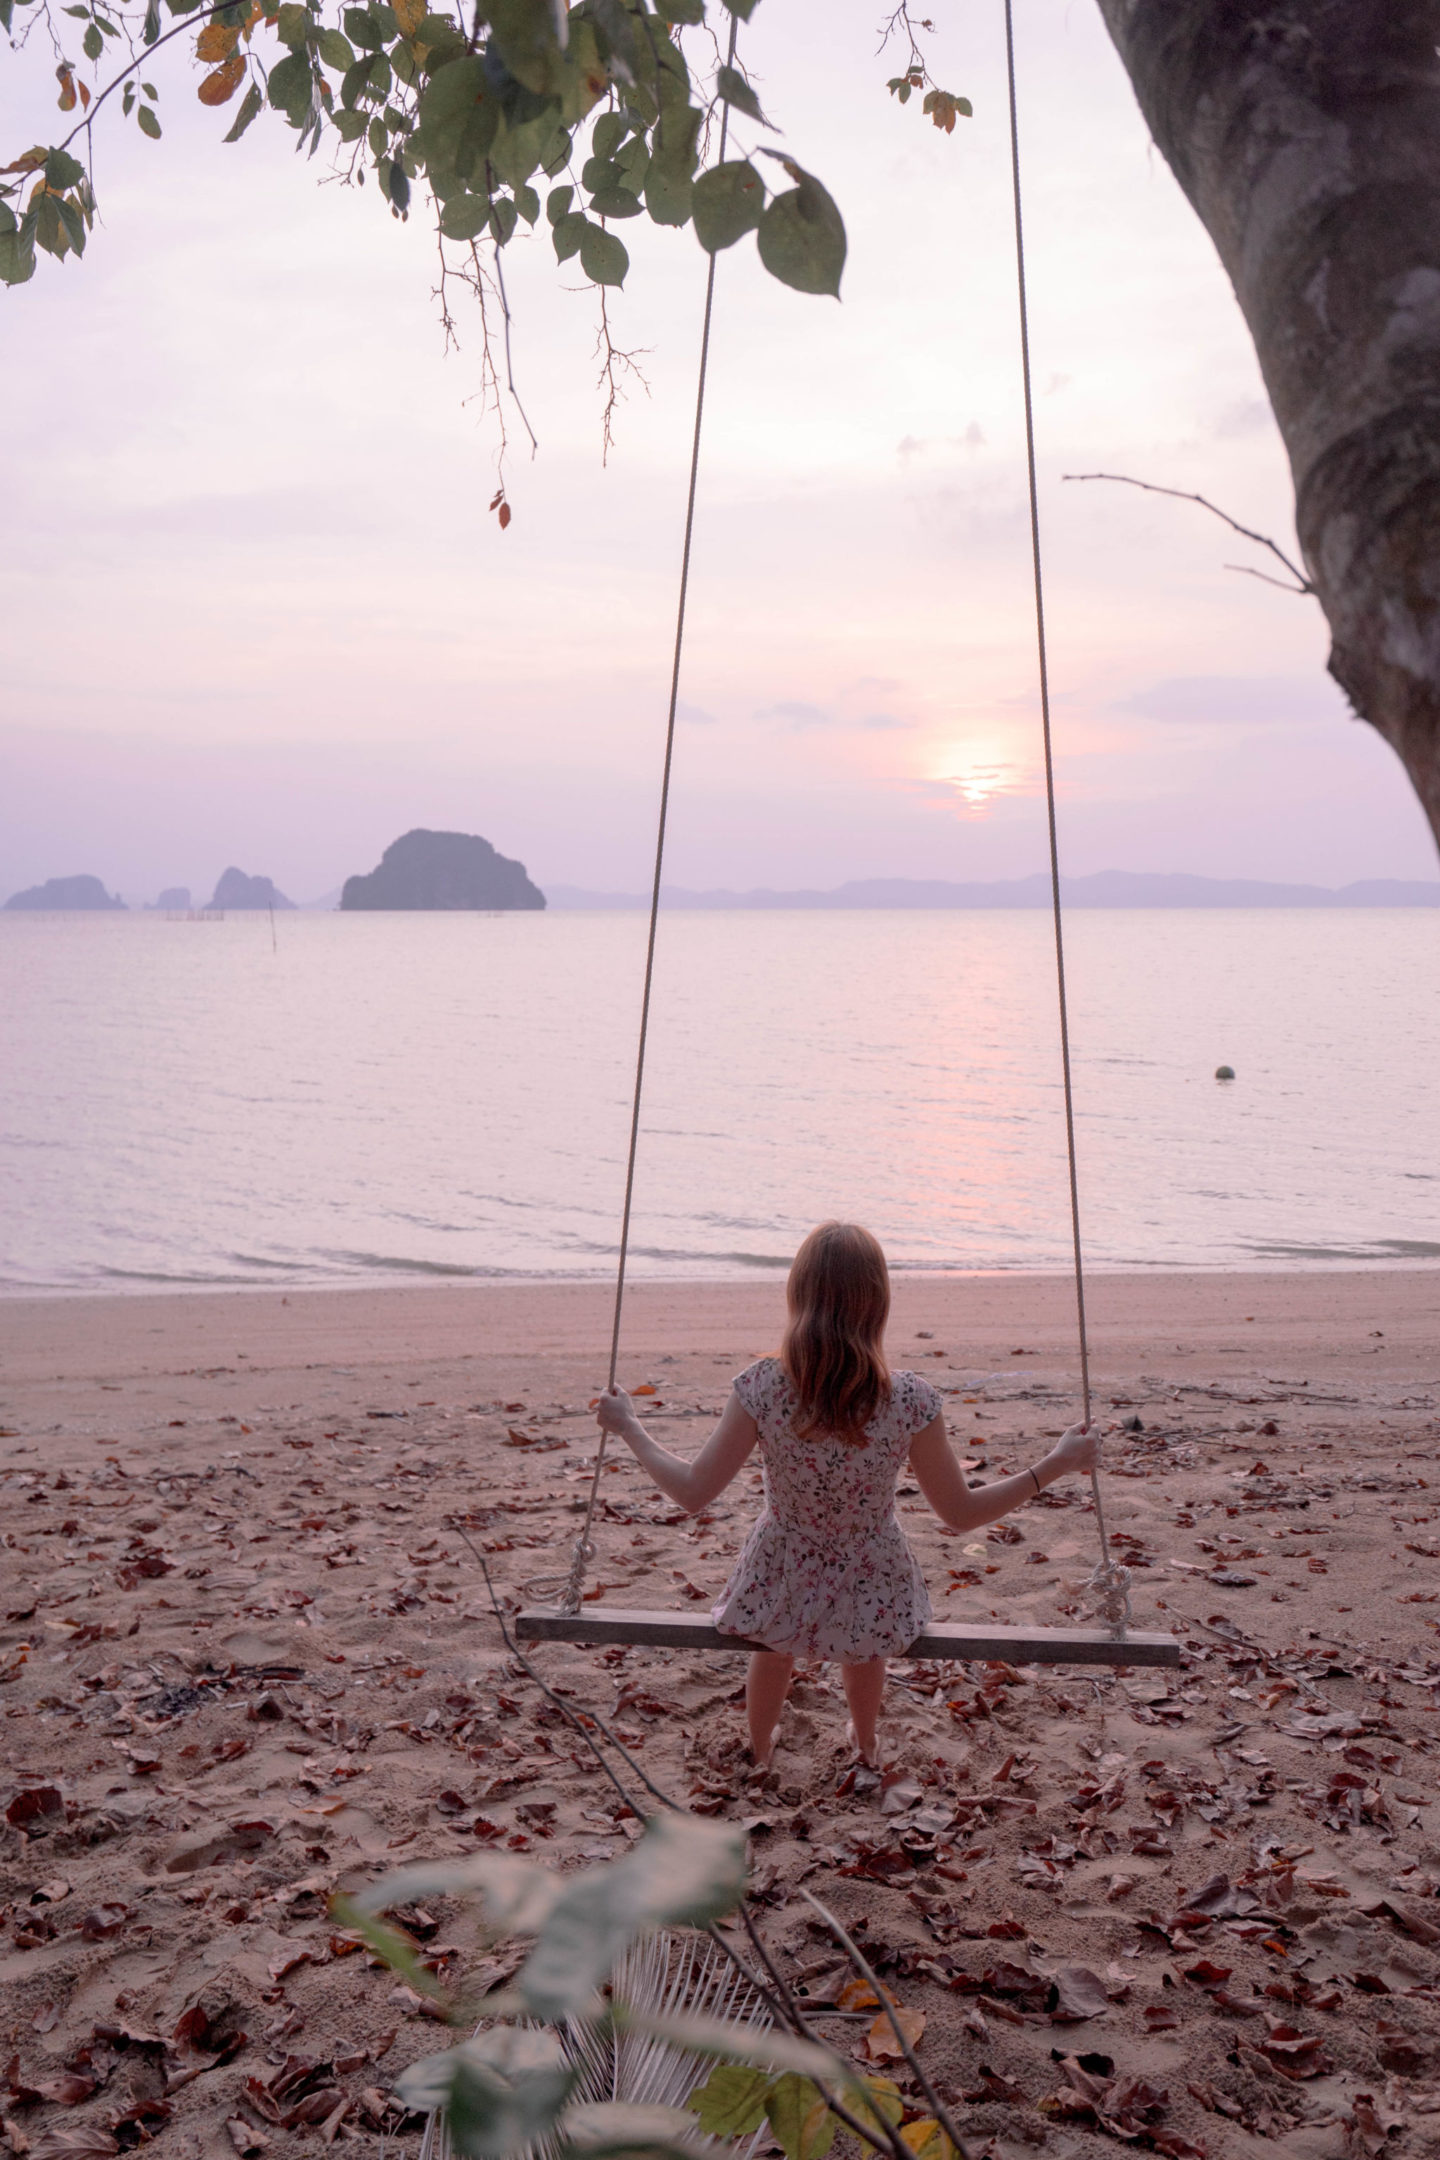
<point>965,1507</point>
<point>693,1485</point>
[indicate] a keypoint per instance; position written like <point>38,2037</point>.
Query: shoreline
<point>1386,1317</point>
<point>419,1280</point>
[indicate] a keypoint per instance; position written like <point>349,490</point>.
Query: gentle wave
<point>447,1097</point>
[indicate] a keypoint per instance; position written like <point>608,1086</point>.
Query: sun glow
<point>978,781</point>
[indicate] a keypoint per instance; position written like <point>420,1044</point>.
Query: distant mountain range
<point>1104,889</point>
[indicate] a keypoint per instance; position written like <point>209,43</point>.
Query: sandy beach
<point>247,1657</point>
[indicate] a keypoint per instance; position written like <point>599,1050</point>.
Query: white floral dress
<point>827,1571</point>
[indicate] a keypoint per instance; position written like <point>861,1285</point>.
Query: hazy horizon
<point>260,615</point>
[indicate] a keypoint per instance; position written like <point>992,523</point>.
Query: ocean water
<point>369,1096</point>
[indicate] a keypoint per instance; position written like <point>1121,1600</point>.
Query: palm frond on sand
<point>663,1975</point>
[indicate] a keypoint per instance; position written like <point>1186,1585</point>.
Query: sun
<point>977,780</point>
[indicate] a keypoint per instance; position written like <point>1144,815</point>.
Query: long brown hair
<point>839,1299</point>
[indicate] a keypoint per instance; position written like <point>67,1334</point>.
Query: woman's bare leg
<point>864,1689</point>
<point>766,1687</point>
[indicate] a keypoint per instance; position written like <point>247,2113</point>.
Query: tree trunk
<point>1306,134</point>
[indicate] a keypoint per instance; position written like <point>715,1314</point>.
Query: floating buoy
<point>1224,1072</point>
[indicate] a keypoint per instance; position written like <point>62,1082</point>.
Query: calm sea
<point>398,1096</point>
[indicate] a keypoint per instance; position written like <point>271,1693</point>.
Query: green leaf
<point>608,2129</point>
<point>516,1895</point>
<point>677,137</point>
<point>17,254</point>
<point>611,130</point>
<point>93,43</point>
<point>633,162</point>
<point>680,11</point>
<point>50,232</point>
<point>349,125</point>
<point>335,50</point>
<point>729,200</point>
<point>800,2118</point>
<point>290,87</point>
<point>355,80</point>
<point>743,8</point>
<point>502,219</point>
<point>149,125</point>
<point>527,202</point>
<point>731,2102</point>
<point>378,135</point>
<point>557,202</point>
<point>294,25</point>
<point>249,107</point>
<point>519,147</point>
<point>523,32</point>
<point>72,220</point>
<point>801,237</point>
<point>615,202</point>
<point>151,30</point>
<point>361,30</point>
<point>599,172</point>
<point>500,2092</point>
<point>684,1871</point>
<point>668,194</point>
<point>568,233</point>
<point>876,2100</point>
<point>62,170</point>
<point>731,85</point>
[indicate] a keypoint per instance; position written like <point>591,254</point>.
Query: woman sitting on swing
<point>827,1572</point>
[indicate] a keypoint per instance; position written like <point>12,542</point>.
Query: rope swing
<point>1115,1643</point>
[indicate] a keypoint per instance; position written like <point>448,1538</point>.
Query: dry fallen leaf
<point>881,2041</point>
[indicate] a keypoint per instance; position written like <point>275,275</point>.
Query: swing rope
<point>569,1589</point>
<point>1109,1586</point>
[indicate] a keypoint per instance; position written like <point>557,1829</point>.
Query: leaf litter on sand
<point>978,1890</point>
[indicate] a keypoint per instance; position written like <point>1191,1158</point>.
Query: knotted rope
<point>1109,1586</point>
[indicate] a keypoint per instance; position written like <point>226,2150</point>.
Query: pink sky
<point>256,611</point>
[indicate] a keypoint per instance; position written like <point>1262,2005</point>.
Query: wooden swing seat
<point>942,1639</point>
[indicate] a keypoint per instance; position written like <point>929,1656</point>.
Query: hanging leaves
<point>603,257</point>
<point>216,42</point>
<point>249,107</point>
<point>727,203</point>
<point>802,236</point>
<point>221,84</point>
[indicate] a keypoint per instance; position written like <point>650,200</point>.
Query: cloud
<point>695,715</point>
<point>797,714</point>
<point>799,717</point>
<point>1206,700</point>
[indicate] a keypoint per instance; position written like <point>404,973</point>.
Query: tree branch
<point>1302,585</point>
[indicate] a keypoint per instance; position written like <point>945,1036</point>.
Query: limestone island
<point>236,890</point>
<point>65,892</point>
<point>436,870</point>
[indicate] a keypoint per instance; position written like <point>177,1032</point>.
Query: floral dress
<point>827,1571</point>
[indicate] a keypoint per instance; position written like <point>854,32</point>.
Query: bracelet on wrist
<point>1039,1488</point>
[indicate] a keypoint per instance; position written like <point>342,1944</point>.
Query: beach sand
<point>247,1657</point>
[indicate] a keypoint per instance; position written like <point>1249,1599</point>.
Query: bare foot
<point>852,1741</point>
